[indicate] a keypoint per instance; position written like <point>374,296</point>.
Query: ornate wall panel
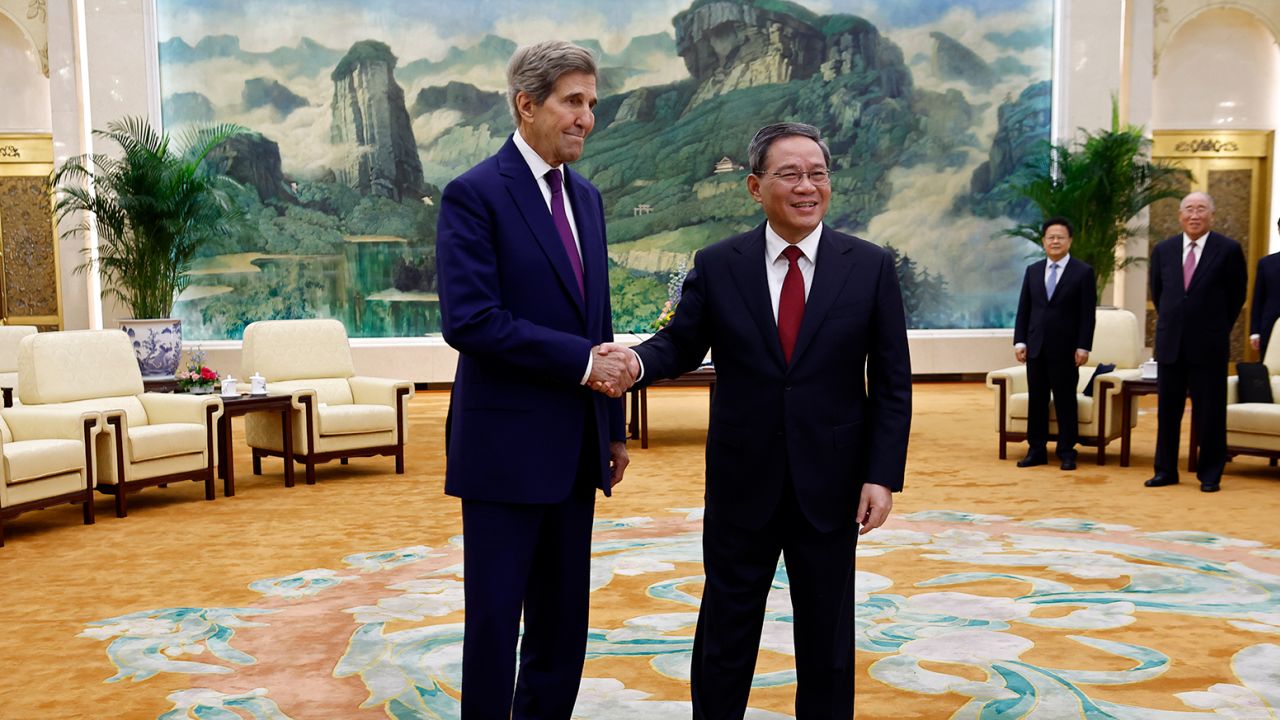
<point>29,283</point>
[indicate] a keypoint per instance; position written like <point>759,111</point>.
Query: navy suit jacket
<point>1266,298</point>
<point>1060,325</point>
<point>819,419</point>
<point>510,305</point>
<point>1194,324</point>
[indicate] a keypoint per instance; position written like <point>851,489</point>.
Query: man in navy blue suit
<point>1266,302</point>
<point>809,424</point>
<point>1053,335</point>
<point>524,298</point>
<point>1198,283</point>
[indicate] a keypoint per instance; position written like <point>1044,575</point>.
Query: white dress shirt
<point>776,264</point>
<point>540,168</point>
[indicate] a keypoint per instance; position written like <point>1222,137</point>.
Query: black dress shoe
<point>1161,481</point>
<point>1069,463</point>
<point>1033,459</point>
<point>1210,486</point>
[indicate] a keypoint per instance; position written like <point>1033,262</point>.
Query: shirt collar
<point>774,244</point>
<point>536,164</point>
<point>1062,264</point>
<point>1186,240</point>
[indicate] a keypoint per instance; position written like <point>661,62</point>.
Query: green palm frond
<point>1100,183</point>
<point>152,205</point>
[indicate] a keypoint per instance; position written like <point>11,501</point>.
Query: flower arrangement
<point>675,284</point>
<point>197,377</point>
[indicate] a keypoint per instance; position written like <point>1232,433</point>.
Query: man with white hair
<point>1198,284</point>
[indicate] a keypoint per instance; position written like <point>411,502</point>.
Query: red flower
<point>207,374</point>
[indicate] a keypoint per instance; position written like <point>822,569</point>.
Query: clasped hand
<point>614,369</point>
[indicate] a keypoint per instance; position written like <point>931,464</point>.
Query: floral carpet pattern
<point>992,616</point>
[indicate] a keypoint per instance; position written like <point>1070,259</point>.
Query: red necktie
<point>791,303</point>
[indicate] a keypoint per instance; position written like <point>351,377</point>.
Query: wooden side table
<point>243,405</point>
<point>1133,388</point>
<point>638,426</point>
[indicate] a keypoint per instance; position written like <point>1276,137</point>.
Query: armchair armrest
<point>33,422</point>
<point>376,390</point>
<point>1013,379</point>
<point>1108,384</point>
<point>1233,389</point>
<point>178,408</point>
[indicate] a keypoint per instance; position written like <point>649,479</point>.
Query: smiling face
<point>1057,242</point>
<point>793,210</point>
<point>1195,214</point>
<point>558,127</point>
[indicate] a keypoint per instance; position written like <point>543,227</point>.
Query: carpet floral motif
<point>996,591</point>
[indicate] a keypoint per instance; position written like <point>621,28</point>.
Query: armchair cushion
<point>10,338</point>
<point>59,367</point>
<point>353,419</point>
<point>297,350</point>
<point>38,459</point>
<point>1102,369</point>
<point>151,442</point>
<point>330,391</point>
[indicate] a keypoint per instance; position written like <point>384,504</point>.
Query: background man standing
<point>524,297</point>
<point>1266,301</point>
<point>1053,335</point>
<point>1198,283</point>
<point>802,445</point>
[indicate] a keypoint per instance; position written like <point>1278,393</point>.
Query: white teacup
<point>1150,369</point>
<point>229,387</point>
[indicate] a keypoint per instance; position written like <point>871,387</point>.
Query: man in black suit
<point>802,445</point>
<point>1053,336</point>
<point>1266,301</point>
<point>1198,284</point>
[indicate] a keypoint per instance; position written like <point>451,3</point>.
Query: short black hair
<point>1058,220</point>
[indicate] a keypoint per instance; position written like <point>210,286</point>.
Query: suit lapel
<point>748,269</point>
<point>831,270</point>
<point>1173,265</point>
<point>1039,294</point>
<point>594,267</point>
<point>527,196</point>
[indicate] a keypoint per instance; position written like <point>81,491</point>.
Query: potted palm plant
<point>1100,184</point>
<point>152,206</point>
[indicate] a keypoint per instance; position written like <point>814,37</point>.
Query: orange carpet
<point>993,592</point>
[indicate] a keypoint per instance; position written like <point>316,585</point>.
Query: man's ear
<point>524,106</point>
<point>753,187</point>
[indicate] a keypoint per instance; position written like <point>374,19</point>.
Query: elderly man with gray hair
<point>524,299</point>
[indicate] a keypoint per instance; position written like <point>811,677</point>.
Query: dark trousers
<point>740,567</point>
<point>1207,384</point>
<point>535,559</point>
<point>1056,373</point>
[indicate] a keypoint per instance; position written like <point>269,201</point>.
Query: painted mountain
<point>930,109</point>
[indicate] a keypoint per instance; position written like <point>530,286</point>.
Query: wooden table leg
<point>633,412</point>
<point>1126,412</point>
<point>286,423</point>
<point>226,463</point>
<point>644,418</point>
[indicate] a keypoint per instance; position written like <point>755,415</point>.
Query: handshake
<point>614,369</point>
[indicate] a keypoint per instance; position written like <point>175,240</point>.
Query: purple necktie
<point>1189,266</point>
<point>561,219</point>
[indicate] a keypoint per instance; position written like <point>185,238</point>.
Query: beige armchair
<point>149,439</point>
<point>48,460</point>
<point>1116,340</point>
<point>10,337</point>
<point>338,414</point>
<point>1254,428</point>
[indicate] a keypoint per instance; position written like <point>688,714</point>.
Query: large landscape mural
<point>361,112</point>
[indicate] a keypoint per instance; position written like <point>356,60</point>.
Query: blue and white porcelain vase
<point>157,344</point>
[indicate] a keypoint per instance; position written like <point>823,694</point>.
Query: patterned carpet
<point>993,593</point>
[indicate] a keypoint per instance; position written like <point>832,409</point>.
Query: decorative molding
<point>32,17</point>
<point>1203,145</point>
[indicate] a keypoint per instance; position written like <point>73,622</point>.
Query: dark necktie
<point>561,219</point>
<point>791,302</point>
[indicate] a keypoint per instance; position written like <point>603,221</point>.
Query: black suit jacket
<point>818,419</point>
<point>1060,325</point>
<point>1194,324</point>
<point>1266,298</point>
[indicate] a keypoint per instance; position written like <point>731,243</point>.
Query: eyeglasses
<point>791,177</point>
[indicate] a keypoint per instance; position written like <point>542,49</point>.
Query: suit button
<point>787,388</point>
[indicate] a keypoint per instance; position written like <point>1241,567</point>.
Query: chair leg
<point>257,462</point>
<point>1004,453</point>
<point>343,461</point>
<point>311,471</point>
<point>1273,462</point>
<point>122,507</point>
<point>87,507</point>
<point>1,532</point>
<point>400,460</point>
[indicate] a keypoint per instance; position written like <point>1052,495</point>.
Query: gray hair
<point>1207,197</point>
<point>534,70</point>
<point>758,150</point>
